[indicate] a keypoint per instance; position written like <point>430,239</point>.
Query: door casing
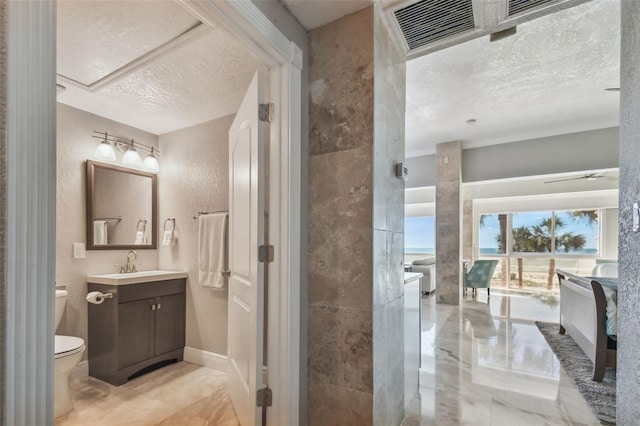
<point>244,21</point>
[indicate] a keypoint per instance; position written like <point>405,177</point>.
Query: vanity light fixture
<point>104,151</point>
<point>131,157</point>
<point>151,162</point>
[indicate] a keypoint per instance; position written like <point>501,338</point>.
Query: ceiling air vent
<point>429,21</point>
<point>519,6</point>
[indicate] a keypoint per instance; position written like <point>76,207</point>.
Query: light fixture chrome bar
<point>119,140</point>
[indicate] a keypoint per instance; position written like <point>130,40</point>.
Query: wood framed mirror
<point>122,208</point>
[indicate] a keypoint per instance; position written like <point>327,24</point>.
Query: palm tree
<point>539,239</point>
<point>504,270</point>
<point>567,241</point>
<point>542,239</point>
<point>590,215</point>
<point>522,243</point>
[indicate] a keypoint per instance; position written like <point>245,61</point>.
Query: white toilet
<point>68,354</point>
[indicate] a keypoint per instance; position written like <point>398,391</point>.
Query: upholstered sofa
<point>427,267</point>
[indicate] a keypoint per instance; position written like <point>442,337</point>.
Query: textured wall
<point>628,391</point>
<point>74,146</point>
<point>448,225</point>
<point>184,191</point>
<point>598,148</point>
<point>388,224</point>
<point>340,358</point>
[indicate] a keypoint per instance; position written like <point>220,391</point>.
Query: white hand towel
<point>212,237</point>
<point>168,239</point>
<point>139,238</point>
<point>100,232</point>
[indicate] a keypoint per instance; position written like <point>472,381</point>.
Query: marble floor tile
<point>179,394</point>
<point>486,363</point>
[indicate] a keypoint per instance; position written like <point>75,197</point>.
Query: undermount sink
<point>136,277</point>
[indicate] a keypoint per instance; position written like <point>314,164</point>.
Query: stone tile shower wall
<point>388,224</point>
<point>340,356</point>
<point>355,356</point>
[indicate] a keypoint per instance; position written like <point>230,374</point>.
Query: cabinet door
<point>135,332</point>
<point>170,323</point>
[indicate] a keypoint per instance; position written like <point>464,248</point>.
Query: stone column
<point>467,229</point>
<point>356,223</point>
<point>628,391</point>
<point>448,222</point>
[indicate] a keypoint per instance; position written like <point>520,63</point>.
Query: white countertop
<point>136,277</point>
<point>412,276</point>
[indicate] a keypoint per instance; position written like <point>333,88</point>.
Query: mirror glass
<point>121,208</point>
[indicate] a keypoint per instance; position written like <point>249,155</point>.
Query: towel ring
<point>144,225</point>
<point>173,224</point>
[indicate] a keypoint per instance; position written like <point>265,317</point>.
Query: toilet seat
<point>68,345</point>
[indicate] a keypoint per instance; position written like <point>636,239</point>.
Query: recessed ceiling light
<point>471,121</point>
<point>613,89</point>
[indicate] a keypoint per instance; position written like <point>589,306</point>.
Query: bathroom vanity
<point>140,328</point>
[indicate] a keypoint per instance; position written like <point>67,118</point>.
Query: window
<point>559,232</point>
<point>577,231</point>
<point>419,235</point>
<point>532,232</point>
<point>493,234</point>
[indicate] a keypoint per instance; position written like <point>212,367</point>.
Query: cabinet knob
<point>159,305</point>
<point>153,307</point>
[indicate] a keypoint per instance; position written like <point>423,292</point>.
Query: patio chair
<point>480,275</point>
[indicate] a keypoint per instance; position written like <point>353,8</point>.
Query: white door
<point>246,233</point>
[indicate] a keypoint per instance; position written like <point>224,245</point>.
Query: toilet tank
<point>61,300</point>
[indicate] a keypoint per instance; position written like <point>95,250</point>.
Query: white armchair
<point>427,267</point>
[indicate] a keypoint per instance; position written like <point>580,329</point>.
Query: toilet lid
<point>68,345</point>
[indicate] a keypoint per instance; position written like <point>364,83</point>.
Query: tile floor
<point>179,394</point>
<point>482,364</point>
<point>487,364</point>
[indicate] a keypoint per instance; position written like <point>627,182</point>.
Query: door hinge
<point>267,112</point>
<point>265,254</point>
<point>264,397</point>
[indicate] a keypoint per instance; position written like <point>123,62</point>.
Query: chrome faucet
<point>130,267</point>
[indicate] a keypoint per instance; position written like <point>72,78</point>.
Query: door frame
<point>244,21</point>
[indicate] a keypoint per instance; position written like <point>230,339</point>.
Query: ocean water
<point>485,250</point>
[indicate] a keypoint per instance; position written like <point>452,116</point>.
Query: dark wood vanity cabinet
<point>142,326</point>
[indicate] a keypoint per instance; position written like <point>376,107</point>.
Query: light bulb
<point>104,151</point>
<point>151,163</point>
<point>132,158</point>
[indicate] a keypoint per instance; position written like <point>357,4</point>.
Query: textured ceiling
<point>547,79</point>
<point>315,13</point>
<point>196,82</point>
<point>96,38</point>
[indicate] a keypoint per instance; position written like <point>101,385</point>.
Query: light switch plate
<point>79,251</point>
<point>636,216</point>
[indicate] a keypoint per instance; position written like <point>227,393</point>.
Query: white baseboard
<point>80,371</point>
<point>213,360</point>
<point>206,359</point>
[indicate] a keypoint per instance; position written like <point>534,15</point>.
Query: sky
<point>420,231</point>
